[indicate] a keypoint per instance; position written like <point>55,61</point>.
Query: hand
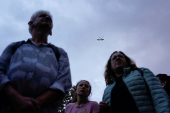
<point>25,105</point>
<point>49,96</point>
<point>19,103</point>
<point>103,107</point>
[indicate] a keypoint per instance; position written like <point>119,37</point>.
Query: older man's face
<point>44,21</point>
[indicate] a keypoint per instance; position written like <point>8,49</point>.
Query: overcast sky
<point>139,28</point>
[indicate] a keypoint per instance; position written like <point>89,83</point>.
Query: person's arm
<point>49,96</point>
<point>103,107</point>
<point>159,96</point>
<point>62,83</point>
<point>4,63</point>
<point>18,102</point>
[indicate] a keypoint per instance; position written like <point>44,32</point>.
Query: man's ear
<point>30,23</point>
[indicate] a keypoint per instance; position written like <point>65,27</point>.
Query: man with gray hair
<point>34,74</point>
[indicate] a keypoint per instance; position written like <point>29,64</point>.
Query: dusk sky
<point>139,28</point>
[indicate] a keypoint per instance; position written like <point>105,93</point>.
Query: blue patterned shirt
<point>33,69</point>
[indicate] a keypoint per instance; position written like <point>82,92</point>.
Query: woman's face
<point>83,88</point>
<point>118,61</point>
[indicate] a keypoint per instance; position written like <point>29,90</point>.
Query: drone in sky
<point>100,39</point>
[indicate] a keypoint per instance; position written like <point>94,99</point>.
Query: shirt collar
<point>31,41</point>
<point>126,72</point>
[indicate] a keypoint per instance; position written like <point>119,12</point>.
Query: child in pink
<point>81,103</point>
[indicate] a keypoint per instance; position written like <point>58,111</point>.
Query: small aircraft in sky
<point>100,39</point>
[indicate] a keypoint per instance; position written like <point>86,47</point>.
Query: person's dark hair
<point>108,71</point>
<point>163,77</point>
<point>33,17</point>
<point>75,95</point>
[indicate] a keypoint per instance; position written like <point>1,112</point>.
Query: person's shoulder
<point>94,106</point>
<point>143,68</point>
<point>68,107</point>
<point>93,102</point>
<point>146,70</point>
<point>70,104</point>
<point>16,43</point>
<point>61,50</point>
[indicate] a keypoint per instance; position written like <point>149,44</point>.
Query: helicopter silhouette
<point>100,39</point>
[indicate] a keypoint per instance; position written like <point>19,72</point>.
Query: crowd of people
<point>35,76</point>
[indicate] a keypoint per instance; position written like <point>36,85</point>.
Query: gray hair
<point>33,17</point>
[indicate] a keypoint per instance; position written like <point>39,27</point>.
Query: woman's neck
<point>118,72</point>
<point>81,101</point>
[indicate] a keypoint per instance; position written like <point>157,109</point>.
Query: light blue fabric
<point>137,88</point>
<point>33,69</point>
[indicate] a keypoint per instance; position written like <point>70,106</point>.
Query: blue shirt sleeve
<point>4,63</point>
<point>63,80</point>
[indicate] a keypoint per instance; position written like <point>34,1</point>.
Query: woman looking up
<point>81,103</point>
<point>131,89</point>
